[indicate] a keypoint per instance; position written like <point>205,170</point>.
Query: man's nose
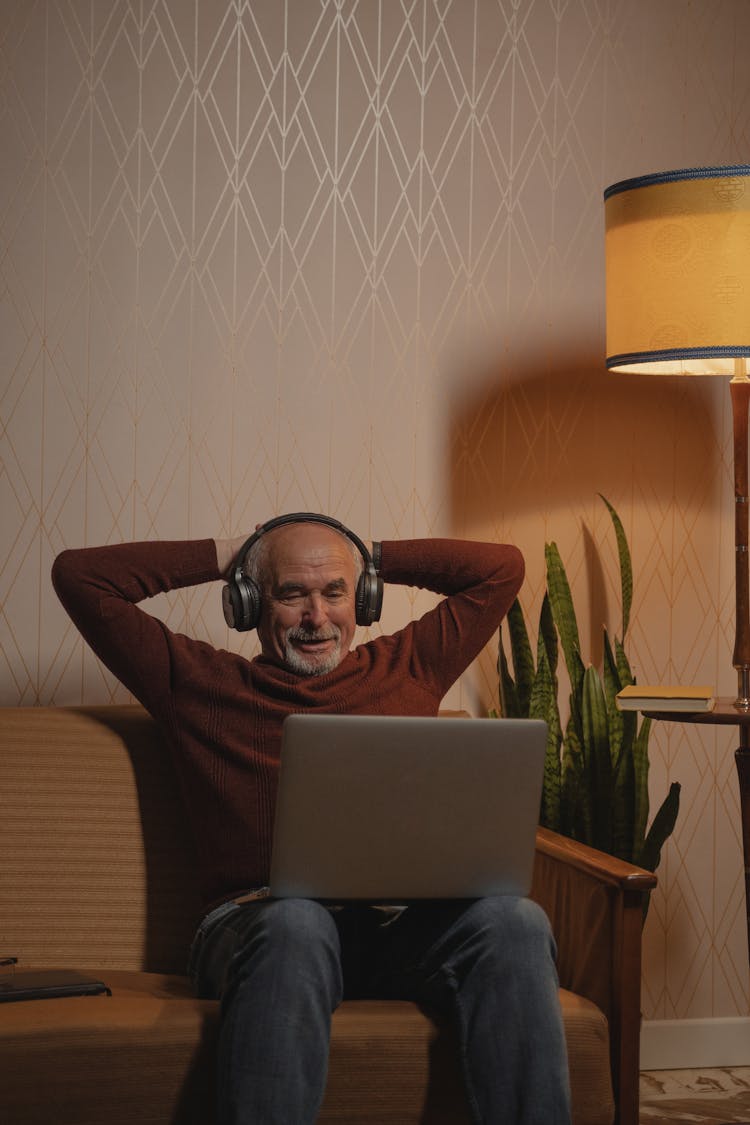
<point>314,613</point>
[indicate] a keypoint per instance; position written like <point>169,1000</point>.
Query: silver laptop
<point>389,809</point>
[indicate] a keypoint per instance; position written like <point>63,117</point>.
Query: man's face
<point>307,620</point>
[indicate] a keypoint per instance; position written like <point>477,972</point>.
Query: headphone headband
<point>302,517</point>
<point>242,597</point>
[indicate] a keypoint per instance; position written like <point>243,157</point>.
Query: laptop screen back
<point>387,809</point>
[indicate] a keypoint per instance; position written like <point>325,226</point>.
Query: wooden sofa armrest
<point>595,905</point>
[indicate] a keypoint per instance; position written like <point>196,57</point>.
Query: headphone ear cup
<point>241,601</point>
<point>249,592</point>
<point>369,597</point>
<point>228,604</point>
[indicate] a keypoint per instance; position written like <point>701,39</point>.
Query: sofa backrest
<point>97,866</point>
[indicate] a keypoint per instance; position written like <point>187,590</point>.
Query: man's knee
<point>513,927</point>
<point>284,944</point>
<point>290,926</point>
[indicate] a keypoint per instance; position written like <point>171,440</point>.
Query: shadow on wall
<point>533,442</point>
<point>548,434</point>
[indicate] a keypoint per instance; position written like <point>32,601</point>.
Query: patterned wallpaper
<point>348,256</point>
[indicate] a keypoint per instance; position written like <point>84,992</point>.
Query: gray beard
<point>307,665</point>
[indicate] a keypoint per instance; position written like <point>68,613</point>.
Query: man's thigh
<point>429,946</point>
<point>290,929</point>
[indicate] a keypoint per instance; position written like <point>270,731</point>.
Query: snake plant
<point>596,769</point>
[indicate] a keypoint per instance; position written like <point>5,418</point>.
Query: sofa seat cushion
<point>587,1037</point>
<point>142,1054</point>
<point>145,1054</point>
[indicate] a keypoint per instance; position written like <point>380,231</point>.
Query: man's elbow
<point>516,567</point>
<point>64,571</point>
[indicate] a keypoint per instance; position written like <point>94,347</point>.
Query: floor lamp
<point>678,303</point>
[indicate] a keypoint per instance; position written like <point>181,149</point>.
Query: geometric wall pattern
<point>348,256</point>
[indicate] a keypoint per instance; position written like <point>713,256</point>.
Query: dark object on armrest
<point>45,984</point>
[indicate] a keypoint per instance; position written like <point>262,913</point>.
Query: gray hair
<point>255,564</point>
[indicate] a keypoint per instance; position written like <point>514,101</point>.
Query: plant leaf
<point>510,708</point>
<point>661,827</point>
<point>623,665</point>
<point>563,613</point>
<point>544,706</point>
<point>548,634</point>
<point>523,660</point>
<point>575,798</point>
<point>597,754</point>
<point>626,566</point>
<point>640,782</point>
<point>615,717</point>
<point>623,796</point>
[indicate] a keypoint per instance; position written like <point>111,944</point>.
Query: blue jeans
<point>281,967</point>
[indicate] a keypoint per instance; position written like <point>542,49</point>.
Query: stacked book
<point>664,697</point>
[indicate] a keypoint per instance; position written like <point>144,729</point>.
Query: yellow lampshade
<point>678,271</point>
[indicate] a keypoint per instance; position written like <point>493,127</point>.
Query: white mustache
<point>307,636</point>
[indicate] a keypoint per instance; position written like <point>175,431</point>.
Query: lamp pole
<point>740,391</point>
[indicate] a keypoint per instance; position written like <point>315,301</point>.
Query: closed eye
<point>291,595</point>
<point>336,590</point>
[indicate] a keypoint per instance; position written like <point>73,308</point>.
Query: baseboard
<point>683,1044</point>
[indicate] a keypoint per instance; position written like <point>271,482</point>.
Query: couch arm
<point>595,905</point>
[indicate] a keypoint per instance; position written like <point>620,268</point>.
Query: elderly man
<point>280,967</point>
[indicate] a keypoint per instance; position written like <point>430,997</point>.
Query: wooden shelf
<point>724,713</point>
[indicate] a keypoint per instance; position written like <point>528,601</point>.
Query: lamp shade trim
<point>670,355</point>
<point>679,174</point>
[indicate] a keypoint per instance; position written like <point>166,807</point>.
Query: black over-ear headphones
<point>241,597</point>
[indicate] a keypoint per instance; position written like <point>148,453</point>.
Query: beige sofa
<point>96,873</point>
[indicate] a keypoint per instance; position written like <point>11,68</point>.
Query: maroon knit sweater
<point>222,714</point>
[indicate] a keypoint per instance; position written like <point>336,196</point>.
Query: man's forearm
<point>450,566</point>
